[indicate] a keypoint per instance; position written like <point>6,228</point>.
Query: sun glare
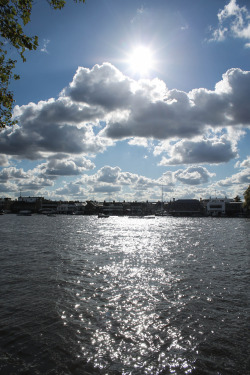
<point>141,60</point>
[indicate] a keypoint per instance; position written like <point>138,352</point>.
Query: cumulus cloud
<point>106,189</point>
<point>242,177</point>
<point>244,164</point>
<point>13,173</point>
<point>8,188</point>
<point>66,166</point>
<point>193,175</point>
<point>201,151</point>
<point>145,109</point>
<point>35,183</point>
<point>18,179</point>
<point>173,113</point>
<point>101,106</point>
<point>103,85</point>
<point>44,175</point>
<point>234,21</point>
<point>71,190</point>
<point>108,174</point>
<point>4,161</point>
<point>110,179</point>
<point>54,126</point>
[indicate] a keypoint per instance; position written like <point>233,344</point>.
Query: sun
<point>141,60</point>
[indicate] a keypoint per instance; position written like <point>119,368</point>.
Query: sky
<point>124,100</point>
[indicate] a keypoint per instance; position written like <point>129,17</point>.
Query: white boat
<point>162,213</point>
<point>101,215</point>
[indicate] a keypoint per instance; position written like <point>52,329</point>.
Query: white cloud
<point>8,188</point>
<point>242,178</point>
<point>138,142</point>
<point>71,190</point>
<point>53,126</point>
<point>244,164</point>
<point>234,21</point>
<point>4,161</point>
<point>139,111</point>
<point>45,45</point>
<point>18,179</point>
<point>12,173</point>
<point>202,151</point>
<point>65,166</point>
<point>184,115</point>
<point>193,175</point>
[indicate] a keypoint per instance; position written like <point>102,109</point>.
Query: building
<point>186,207</point>
<point>217,206</point>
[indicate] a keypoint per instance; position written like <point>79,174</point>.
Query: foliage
<point>247,197</point>
<point>14,15</point>
<point>237,199</point>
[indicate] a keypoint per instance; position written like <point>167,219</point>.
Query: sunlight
<point>141,60</point>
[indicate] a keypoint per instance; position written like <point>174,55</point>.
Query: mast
<point>162,197</point>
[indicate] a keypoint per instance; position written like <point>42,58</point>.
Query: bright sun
<point>141,60</point>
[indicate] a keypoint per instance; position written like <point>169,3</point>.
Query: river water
<point>82,295</point>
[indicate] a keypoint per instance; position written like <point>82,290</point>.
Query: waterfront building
<point>186,207</point>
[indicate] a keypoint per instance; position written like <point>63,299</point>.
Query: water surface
<point>82,295</point>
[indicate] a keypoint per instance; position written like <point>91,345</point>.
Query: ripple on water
<point>126,296</point>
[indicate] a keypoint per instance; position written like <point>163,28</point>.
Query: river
<point>81,295</point>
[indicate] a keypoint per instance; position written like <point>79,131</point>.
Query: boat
<point>51,214</point>
<point>101,215</point>
<point>162,213</point>
<point>142,217</point>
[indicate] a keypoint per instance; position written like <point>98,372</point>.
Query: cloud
<point>108,179</point>
<point>18,179</point>
<point>242,177</point>
<point>13,173</point>
<point>35,183</point>
<point>244,164</point>
<point>158,113</point>
<point>4,161</point>
<point>53,126</point>
<point>193,175</point>
<point>104,86</point>
<point>108,174</point>
<point>202,151</point>
<point>44,46</point>
<point>8,188</point>
<point>143,142</point>
<point>43,175</point>
<point>67,166</point>
<point>71,190</point>
<point>234,21</point>
<point>106,189</point>
<point>101,106</point>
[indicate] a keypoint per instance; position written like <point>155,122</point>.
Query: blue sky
<point>123,98</point>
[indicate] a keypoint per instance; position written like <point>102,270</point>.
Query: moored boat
<point>101,215</point>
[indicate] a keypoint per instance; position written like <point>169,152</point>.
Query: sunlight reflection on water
<point>123,296</point>
<point>127,325</point>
